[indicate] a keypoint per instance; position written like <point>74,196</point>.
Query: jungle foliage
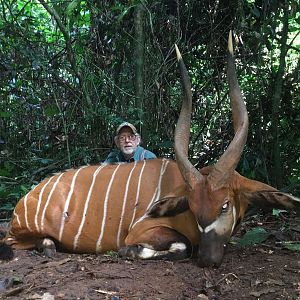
<point>71,71</point>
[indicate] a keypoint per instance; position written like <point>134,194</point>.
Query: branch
<point>62,28</point>
<point>289,46</point>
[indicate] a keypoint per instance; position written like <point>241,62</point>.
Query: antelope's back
<point>91,209</point>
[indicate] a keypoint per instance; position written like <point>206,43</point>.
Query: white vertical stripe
<point>67,203</point>
<point>124,206</point>
<point>26,210</point>
<point>156,195</point>
<point>48,201</point>
<point>17,216</point>
<point>234,217</point>
<point>39,204</point>
<point>86,206</point>
<point>137,194</point>
<point>98,244</point>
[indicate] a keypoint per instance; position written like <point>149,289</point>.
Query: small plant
<point>111,254</point>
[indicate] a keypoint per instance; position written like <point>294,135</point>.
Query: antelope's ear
<point>272,199</point>
<point>261,194</point>
<point>168,207</point>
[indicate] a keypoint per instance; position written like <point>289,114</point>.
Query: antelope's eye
<point>225,207</point>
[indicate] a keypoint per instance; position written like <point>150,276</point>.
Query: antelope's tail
<point>6,251</point>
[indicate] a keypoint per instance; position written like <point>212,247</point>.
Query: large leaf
<point>72,6</point>
<point>255,236</point>
<point>290,246</point>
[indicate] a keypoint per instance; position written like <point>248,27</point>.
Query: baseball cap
<point>126,124</point>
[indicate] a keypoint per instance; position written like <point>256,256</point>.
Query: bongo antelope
<point>148,209</point>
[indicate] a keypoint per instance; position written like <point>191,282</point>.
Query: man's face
<point>127,141</point>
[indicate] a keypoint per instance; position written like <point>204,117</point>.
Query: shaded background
<point>71,71</point>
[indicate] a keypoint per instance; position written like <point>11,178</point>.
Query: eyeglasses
<point>123,138</point>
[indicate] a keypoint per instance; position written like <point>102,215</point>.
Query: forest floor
<point>264,271</point>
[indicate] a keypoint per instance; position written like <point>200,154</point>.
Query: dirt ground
<point>265,271</point>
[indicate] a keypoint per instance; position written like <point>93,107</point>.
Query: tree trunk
<point>139,58</point>
<point>277,174</point>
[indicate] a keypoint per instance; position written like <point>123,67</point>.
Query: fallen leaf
<point>106,292</point>
<point>276,282</point>
<point>263,292</point>
<point>202,297</point>
<point>57,263</point>
<point>255,236</point>
<point>34,296</point>
<point>47,296</point>
<point>293,247</point>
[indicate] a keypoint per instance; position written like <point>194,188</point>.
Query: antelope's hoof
<point>129,251</point>
<point>49,252</point>
<point>47,247</point>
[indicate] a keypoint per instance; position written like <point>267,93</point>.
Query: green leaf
<point>24,188</point>
<point>255,236</point>
<point>51,111</point>
<point>33,100</point>
<point>5,172</point>
<point>5,114</point>
<point>293,28</point>
<point>293,247</point>
<point>124,13</point>
<point>255,11</point>
<point>7,207</point>
<point>112,254</point>
<point>46,161</point>
<point>276,212</point>
<point>17,280</point>
<point>72,6</point>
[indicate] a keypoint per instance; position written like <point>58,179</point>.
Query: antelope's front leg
<point>46,246</point>
<point>157,243</point>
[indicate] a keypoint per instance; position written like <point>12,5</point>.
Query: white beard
<point>128,150</point>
